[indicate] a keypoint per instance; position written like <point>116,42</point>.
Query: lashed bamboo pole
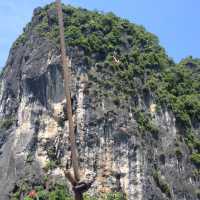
<point>67,78</point>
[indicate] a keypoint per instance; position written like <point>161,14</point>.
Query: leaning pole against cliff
<point>79,187</point>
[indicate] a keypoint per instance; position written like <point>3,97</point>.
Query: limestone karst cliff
<point>136,112</point>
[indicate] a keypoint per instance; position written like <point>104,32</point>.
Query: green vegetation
<point>50,165</point>
<point>196,172</point>
<point>193,143</point>
<point>6,123</point>
<point>178,153</point>
<point>195,158</point>
<point>57,192</point>
<point>28,198</point>
<point>146,124</point>
<point>178,88</point>
<point>21,39</point>
<point>161,183</point>
<point>115,196</point>
<point>29,158</point>
<point>109,196</point>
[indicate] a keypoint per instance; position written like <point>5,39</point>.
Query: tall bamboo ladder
<point>79,187</point>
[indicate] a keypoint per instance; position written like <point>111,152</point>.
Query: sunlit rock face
<point>112,148</point>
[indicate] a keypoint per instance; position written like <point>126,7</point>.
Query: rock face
<point>110,144</point>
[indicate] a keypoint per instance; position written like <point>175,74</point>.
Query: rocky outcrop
<point>111,146</point>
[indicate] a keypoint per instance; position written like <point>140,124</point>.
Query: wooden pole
<point>67,75</point>
<point>78,187</point>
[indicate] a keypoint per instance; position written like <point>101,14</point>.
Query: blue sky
<point>175,22</point>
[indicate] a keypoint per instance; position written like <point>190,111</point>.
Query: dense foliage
<point>178,88</point>
<point>57,191</point>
